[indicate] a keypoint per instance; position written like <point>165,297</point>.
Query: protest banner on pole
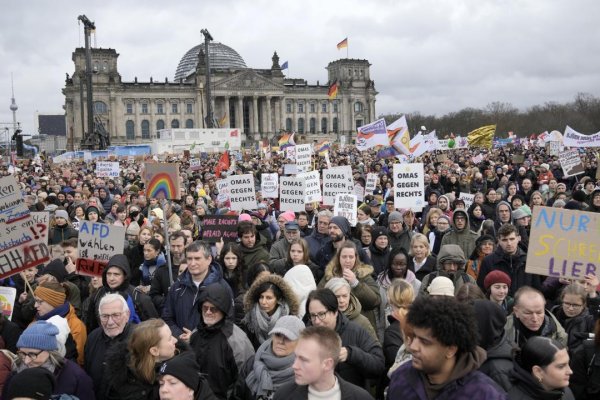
<point>23,242</point>
<point>571,163</point>
<point>215,227</point>
<point>96,244</point>
<point>346,206</point>
<point>303,157</point>
<point>241,192</point>
<point>468,198</point>
<point>195,164</point>
<point>563,243</point>
<point>409,186</point>
<point>371,183</point>
<point>337,180</point>
<point>269,185</point>
<point>291,194</point>
<point>162,180</point>
<point>312,186</point>
<point>7,301</point>
<point>107,169</point>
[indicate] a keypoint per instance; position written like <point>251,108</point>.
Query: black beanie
<point>378,231</point>
<point>184,368</point>
<point>36,383</point>
<point>57,269</point>
<point>579,195</point>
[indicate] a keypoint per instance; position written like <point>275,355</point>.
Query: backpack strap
<point>589,350</point>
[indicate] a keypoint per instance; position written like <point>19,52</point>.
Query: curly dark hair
<point>451,323</point>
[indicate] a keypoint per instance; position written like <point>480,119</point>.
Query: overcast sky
<point>429,56</point>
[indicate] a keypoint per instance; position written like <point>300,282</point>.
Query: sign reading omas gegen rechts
<point>337,180</point>
<point>409,186</point>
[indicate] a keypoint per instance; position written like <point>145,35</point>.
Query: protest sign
<point>290,153</point>
<point>215,227</point>
<point>107,169</point>
<point>563,243</point>
<point>303,157</point>
<point>468,198</point>
<point>87,156</point>
<point>290,169</point>
<point>553,147</point>
<point>269,185</point>
<point>336,180</point>
<point>241,192</point>
<point>195,164</point>
<point>409,186</point>
<point>96,244</point>
<point>312,186</point>
<point>223,189</point>
<point>346,206</point>
<point>359,191</point>
<point>162,180</point>
<point>291,193</point>
<point>42,218</point>
<point>371,183</point>
<point>23,242</point>
<point>7,301</point>
<point>441,158</point>
<point>576,139</point>
<point>518,158</point>
<point>571,163</point>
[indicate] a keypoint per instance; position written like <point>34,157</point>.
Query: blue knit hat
<point>40,335</point>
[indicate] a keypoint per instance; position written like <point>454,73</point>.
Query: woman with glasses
<point>38,347</point>
<point>574,316</point>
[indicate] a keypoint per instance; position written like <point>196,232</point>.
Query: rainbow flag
<point>333,90</point>
<point>286,140</point>
<point>323,147</point>
<point>342,44</point>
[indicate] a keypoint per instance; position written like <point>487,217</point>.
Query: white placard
<point>223,189</point>
<point>107,169</point>
<point>303,157</point>
<point>291,194</point>
<point>346,206</point>
<point>290,169</point>
<point>554,148</point>
<point>468,198</point>
<point>337,180</point>
<point>97,243</point>
<point>7,301</point>
<point>290,153</point>
<point>195,164</point>
<point>359,191</point>
<point>242,195</point>
<point>371,183</point>
<point>571,164</point>
<point>312,186</point>
<point>409,186</point>
<point>269,185</point>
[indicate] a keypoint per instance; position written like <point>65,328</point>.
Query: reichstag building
<point>262,102</point>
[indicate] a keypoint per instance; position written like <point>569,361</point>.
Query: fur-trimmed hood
<point>289,296</point>
<point>361,271</point>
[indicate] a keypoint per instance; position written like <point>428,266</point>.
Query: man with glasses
<point>279,250</point>
<point>451,264</point>
<point>114,328</point>
<point>461,235</point>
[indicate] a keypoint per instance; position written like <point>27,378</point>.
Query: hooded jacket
<point>449,252</point>
<point>465,237</point>
<point>223,348</point>
<point>497,222</point>
<point>551,328</point>
<point>256,254</point>
<point>513,266</point>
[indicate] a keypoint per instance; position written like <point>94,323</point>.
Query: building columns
<point>226,113</point>
<point>239,116</point>
<point>255,114</point>
<point>269,127</point>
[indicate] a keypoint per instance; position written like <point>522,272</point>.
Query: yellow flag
<point>482,137</point>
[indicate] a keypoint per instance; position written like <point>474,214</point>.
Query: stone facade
<point>262,102</point>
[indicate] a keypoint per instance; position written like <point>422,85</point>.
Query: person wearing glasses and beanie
<point>38,347</point>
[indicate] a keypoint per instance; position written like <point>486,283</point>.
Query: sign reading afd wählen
<point>96,244</point>
<point>563,243</point>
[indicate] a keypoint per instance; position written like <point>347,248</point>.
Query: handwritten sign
<point>291,194</point>
<point>337,180</point>
<point>269,185</point>
<point>409,186</point>
<point>219,226</point>
<point>303,157</point>
<point>290,153</point>
<point>312,186</point>
<point>371,183</point>
<point>553,147</point>
<point>563,243</point>
<point>346,206</point>
<point>223,188</point>
<point>241,192</point>
<point>468,198</point>
<point>195,164</point>
<point>107,169</point>
<point>571,163</point>
<point>162,180</point>
<point>96,244</point>
<point>42,218</point>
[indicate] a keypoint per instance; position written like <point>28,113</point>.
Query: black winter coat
<point>293,391</point>
<point>513,266</point>
<point>585,363</point>
<point>121,383</point>
<point>525,387</point>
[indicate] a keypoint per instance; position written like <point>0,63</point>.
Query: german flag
<point>333,91</point>
<point>342,44</point>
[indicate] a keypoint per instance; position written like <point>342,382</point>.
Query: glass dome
<point>221,57</point>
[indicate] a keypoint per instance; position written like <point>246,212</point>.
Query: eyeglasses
<point>32,356</point>
<point>211,309</point>
<point>571,305</point>
<point>320,315</point>
<point>115,316</point>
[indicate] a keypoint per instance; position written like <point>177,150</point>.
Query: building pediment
<point>247,81</point>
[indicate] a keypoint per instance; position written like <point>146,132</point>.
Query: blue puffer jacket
<point>181,306</point>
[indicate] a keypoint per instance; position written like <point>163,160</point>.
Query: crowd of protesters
<point>435,304</point>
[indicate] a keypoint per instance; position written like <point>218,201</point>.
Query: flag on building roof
<point>399,137</point>
<point>342,44</point>
<point>322,147</point>
<point>286,140</point>
<point>284,65</point>
<point>333,90</point>
<point>482,137</point>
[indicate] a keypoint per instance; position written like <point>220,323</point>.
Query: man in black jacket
<point>161,281</point>
<point>317,354</point>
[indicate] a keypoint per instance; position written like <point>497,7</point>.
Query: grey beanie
<point>341,223</point>
<point>395,216</point>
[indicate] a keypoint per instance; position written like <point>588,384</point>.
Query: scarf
<point>269,371</point>
<point>61,311</point>
<point>261,323</point>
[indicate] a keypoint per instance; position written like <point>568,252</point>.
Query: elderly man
<point>279,250</point>
<point>114,328</point>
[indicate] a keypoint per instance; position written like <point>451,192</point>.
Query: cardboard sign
<point>303,157</point>
<point>371,183</point>
<point>195,164</point>
<point>96,244</point>
<point>215,227</point>
<point>563,243</point>
<point>441,158</point>
<point>346,206</point>
<point>107,169</point>
<point>571,164</point>
<point>468,198</point>
<point>23,242</point>
<point>7,301</point>
<point>518,158</point>
<point>269,185</point>
<point>291,194</point>
<point>43,219</point>
<point>162,180</point>
<point>337,180</point>
<point>409,186</point>
<point>312,186</point>
<point>223,189</point>
<point>241,192</point>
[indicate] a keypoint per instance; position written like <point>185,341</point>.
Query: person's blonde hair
<point>419,238</point>
<point>144,336</point>
<point>400,295</point>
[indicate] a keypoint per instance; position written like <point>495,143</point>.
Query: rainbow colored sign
<point>162,180</point>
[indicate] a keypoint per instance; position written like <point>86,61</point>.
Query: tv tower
<point>13,103</point>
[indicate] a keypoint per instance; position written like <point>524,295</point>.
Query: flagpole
<point>347,46</point>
